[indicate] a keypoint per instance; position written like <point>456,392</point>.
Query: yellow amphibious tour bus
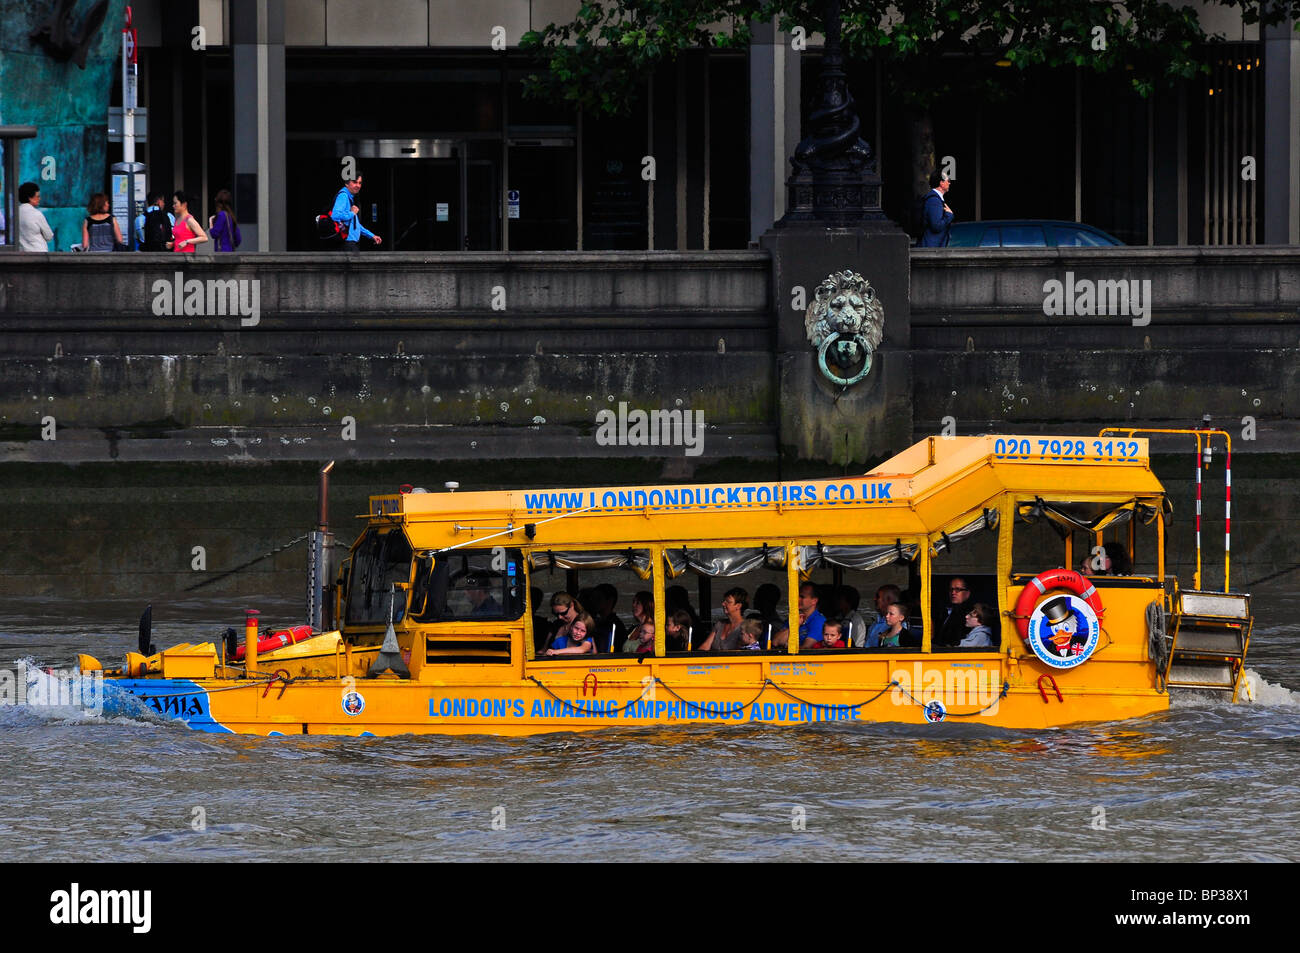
<point>1046,556</point>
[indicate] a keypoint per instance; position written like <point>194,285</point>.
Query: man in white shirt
<point>34,232</point>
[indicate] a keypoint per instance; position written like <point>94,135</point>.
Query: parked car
<point>1028,233</point>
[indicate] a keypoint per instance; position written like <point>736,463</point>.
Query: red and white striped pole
<point>1227,514</point>
<point>1197,583</point>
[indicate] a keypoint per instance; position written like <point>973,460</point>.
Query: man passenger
<point>951,629</point>
<point>811,621</point>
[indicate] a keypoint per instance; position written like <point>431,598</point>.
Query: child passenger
<point>678,630</point>
<point>751,635</point>
<point>831,636</point>
<point>579,639</point>
<point>647,637</point>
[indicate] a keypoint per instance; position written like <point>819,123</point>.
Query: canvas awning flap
<point>857,557</point>
<point>637,560</point>
<point>986,519</point>
<point>1091,517</point>
<point>723,562</point>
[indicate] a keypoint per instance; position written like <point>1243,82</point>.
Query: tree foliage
<point>930,49</point>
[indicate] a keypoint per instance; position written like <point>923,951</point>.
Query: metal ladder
<point>1209,636</point>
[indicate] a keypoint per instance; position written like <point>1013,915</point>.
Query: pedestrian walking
<point>186,233</point>
<point>223,226</point>
<point>34,232</point>
<point>153,227</point>
<point>99,229</point>
<point>345,215</point>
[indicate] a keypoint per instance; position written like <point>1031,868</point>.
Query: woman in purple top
<point>223,227</point>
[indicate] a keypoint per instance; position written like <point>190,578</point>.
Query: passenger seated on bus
<point>896,616</point>
<point>483,604</point>
<point>609,630</point>
<point>677,629</point>
<point>579,641</point>
<point>950,627</point>
<point>810,621</point>
<point>832,636</point>
<point>767,606</point>
<point>886,596</point>
<point>1114,561</point>
<point>643,607</point>
<point>645,635</point>
<point>751,634</point>
<point>675,599</point>
<point>542,625</point>
<point>725,636</point>
<point>847,600</point>
<point>566,609</point>
<point>979,623</point>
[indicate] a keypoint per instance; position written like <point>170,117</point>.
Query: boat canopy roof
<point>941,485</point>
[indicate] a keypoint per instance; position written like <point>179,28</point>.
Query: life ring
<point>278,640</point>
<point>1041,584</point>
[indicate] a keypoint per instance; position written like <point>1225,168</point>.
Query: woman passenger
<point>979,621</point>
<point>567,609</point>
<point>579,641</point>
<point>725,636</point>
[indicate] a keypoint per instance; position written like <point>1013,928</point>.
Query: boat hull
<point>568,696</point>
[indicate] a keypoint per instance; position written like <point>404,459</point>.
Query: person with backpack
<point>153,227</point>
<point>344,215</point>
<point>937,217</point>
<point>223,226</point>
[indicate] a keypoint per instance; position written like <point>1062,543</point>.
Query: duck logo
<point>1064,631</point>
<point>934,712</point>
<point>354,703</point>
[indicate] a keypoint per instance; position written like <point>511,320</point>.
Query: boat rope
<point>803,701</point>
<point>1006,688</point>
<point>256,559</point>
<point>1158,641</point>
<point>570,707</point>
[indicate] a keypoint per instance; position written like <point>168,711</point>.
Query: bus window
<point>736,590</point>
<point>856,584</point>
<point>381,558</point>
<point>605,583</point>
<point>963,576</point>
<point>472,585</point>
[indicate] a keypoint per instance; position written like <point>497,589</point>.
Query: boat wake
<point>1255,690</point>
<point>44,694</point>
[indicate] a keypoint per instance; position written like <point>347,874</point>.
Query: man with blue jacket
<point>345,213</point>
<point>938,216</point>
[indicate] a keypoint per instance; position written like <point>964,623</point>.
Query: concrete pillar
<point>774,101</point>
<point>1281,134</point>
<point>257,45</point>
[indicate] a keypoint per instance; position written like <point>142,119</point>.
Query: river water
<point>1207,781</point>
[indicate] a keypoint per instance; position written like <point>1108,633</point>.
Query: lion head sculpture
<point>846,323</point>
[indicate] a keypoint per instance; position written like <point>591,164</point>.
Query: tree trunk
<point>922,152</point>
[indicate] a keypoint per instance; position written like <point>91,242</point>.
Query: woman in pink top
<point>186,233</point>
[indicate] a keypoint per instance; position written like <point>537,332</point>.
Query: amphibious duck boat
<point>432,623</point>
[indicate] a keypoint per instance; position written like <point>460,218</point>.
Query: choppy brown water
<point>1205,782</point>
